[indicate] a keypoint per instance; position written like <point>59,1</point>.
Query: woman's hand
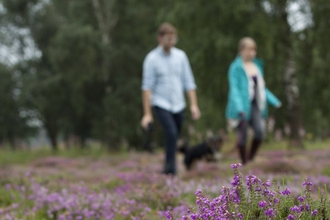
<point>241,115</point>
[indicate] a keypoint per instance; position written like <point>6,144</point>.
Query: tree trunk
<point>106,21</point>
<point>293,105</point>
<point>290,78</point>
<point>52,134</point>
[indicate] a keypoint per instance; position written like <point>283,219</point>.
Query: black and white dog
<point>208,150</point>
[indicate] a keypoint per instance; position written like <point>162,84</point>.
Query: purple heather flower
<point>265,192</point>
<point>307,183</point>
<point>258,189</point>
<point>194,216</point>
<point>301,198</point>
<point>314,213</point>
<point>240,216</point>
<point>272,194</point>
<point>198,192</point>
<point>235,196</point>
<point>253,178</point>
<point>267,183</point>
<point>270,212</point>
<point>235,166</point>
<point>168,216</point>
<point>290,217</point>
<point>262,204</point>
<point>295,209</point>
<point>276,200</point>
<point>235,182</point>
<point>286,192</point>
<point>307,207</point>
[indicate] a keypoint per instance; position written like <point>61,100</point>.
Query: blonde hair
<point>244,42</point>
<point>166,28</point>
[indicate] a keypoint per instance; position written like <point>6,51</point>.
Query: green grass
<point>25,156</point>
<point>326,171</point>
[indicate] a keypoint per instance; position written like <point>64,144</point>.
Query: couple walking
<point>167,74</point>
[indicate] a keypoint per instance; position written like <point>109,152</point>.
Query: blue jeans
<point>171,124</point>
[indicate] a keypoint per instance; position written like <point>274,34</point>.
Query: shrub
<point>259,200</point>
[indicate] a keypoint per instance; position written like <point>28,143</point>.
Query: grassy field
<point>97,184</point>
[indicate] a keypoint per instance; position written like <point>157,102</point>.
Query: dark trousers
<point>255,122</point>
<point>171,124</point>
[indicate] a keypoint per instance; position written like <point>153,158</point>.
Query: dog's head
<point>214,143</point>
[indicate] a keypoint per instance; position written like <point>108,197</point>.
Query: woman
<point>247,97</point>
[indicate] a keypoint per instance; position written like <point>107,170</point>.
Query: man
<point>166,75</point>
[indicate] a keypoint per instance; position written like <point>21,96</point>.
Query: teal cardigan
<point>238,97</point>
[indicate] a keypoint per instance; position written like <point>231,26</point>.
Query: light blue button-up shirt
<point>167,76</point>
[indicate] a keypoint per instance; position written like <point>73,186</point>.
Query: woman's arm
<point>272,99</point>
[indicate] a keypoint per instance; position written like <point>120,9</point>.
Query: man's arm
<point>195,113</point>
<point>148,82</point>
<point>147,114</point>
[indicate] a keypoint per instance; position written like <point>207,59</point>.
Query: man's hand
<point>146,119</point>
<point>147,113</point>
<point>195,113</point>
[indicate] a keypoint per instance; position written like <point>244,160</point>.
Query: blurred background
<point>70,71</point>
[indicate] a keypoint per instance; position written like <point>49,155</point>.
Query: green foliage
<point>13,118</point>
<point>82,86</point>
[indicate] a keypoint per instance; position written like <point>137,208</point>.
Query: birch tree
<point>107,19</point>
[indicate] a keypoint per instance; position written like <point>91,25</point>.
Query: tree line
<point>84,76</point>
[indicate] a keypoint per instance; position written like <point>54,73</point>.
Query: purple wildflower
<point>258,189</point>
<point>262,204</point>
<point>235,166</point>
<point>168,216</point>
<point>301,198</point>
<point>236,181</point>
<point>270,212</point>
<point>267,183</point>
<point>194,216</point>
<point>307,183</point>
<point>286,192</point>
<point>295,209</point>
<point>307,207</point>
<point>290,217</point>
<point>314,213</point>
